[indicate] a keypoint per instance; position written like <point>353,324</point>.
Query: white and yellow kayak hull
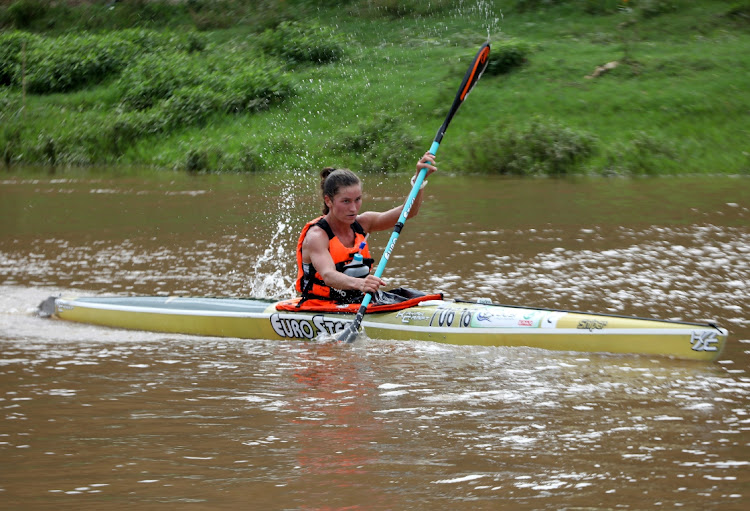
<point>436,320</point>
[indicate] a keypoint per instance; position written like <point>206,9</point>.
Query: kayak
<point>436,320</point>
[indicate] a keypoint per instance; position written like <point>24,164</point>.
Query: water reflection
<point>174,419</point>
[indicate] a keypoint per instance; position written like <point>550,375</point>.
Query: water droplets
<point>482,12</point>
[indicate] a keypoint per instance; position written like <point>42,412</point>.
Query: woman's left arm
<point>380,221</point>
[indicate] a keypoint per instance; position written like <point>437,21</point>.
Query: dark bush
<point>541,148</point>
<point>155,13</point>
<point>395,152</point>
<point>11,54</point>
<point>385,144</point>
<point>155,77</point>
<point>535,5</point>
<point>71,62</point>
<point>654,8</point>
<point>297,43</point>
<point>190,106</point>
<point>739,13</point>
<point>22,14</point>
<point>363,136</point>
<point>196,160</point>
<point>250,159</point>
<point>400,8</point>
<point>237,85</point>
<point>643,154</point>
<point>507,55</point>
<point>602,7</point>
<point>11,136</point>
<point>252,86</point>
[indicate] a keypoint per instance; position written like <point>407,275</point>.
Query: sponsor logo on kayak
<point>408,316</point>
<point>550,321</point>
<point>63,306</point>
<point>298,328</point>
<point>704,341</point>
<point>447,316</point>
<point>507,318</point>
<point>592,324</point>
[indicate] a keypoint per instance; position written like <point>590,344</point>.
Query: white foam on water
<point>462,479</point>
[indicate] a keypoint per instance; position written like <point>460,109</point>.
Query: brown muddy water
<point>97,418</point>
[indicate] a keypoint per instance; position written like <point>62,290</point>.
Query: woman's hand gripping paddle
<point>477,67</point>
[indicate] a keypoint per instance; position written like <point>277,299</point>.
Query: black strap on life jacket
<point>314,287</point>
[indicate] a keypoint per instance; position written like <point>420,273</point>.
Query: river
<point>97,418</point>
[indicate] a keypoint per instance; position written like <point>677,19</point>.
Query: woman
<point>329,242</point>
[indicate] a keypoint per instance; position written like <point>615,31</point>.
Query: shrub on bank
<point>739,14</point>
<point>384,142</point>
<point>646,8</point>
<point>164,82</point>
<point>643,154</point>
<point>44,15</point>
<point>196,160</point>
<point>299,43</point>
<point>23,14</point>
<point>164,93</point>
<point>253,86</point>
<point>157,76</point>
<point>250,159</point>
<point>10,142</point>
<point>12,46</point>
<point>200,157</point>
<point>71,62</point>
<point>507,55</point>
<point>363,136</point>
<point>74,61</point>
<point>400,8</point>
<point>543,147</point>
<point>234,84</point>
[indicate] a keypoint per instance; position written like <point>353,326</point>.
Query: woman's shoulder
<point>315,236</point>
<point>320,225</point>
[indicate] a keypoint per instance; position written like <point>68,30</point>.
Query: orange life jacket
<point>310,283</point>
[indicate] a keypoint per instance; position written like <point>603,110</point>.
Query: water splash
<point>272,273</point>
<point>269,278</point>
<point>483,11</point>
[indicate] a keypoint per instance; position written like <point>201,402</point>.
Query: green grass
<point>677,103</point>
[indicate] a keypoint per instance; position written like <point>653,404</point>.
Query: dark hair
<point>331,179</point>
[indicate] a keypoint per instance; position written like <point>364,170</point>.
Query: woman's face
<point>346,203</point>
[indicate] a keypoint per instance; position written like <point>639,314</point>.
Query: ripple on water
<point>675,268</point>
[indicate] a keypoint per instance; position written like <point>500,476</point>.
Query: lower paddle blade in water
<point>349,334</point>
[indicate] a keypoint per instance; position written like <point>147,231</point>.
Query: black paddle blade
<point>478,65</point>
<point>472,76</point>
<point>348,334</point>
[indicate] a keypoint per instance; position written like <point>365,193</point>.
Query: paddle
<point>477,67</point>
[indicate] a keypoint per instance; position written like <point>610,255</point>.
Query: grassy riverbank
<point>262,86</point>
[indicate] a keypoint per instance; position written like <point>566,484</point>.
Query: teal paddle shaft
<point>477,67</point>
<point>399,225</point>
